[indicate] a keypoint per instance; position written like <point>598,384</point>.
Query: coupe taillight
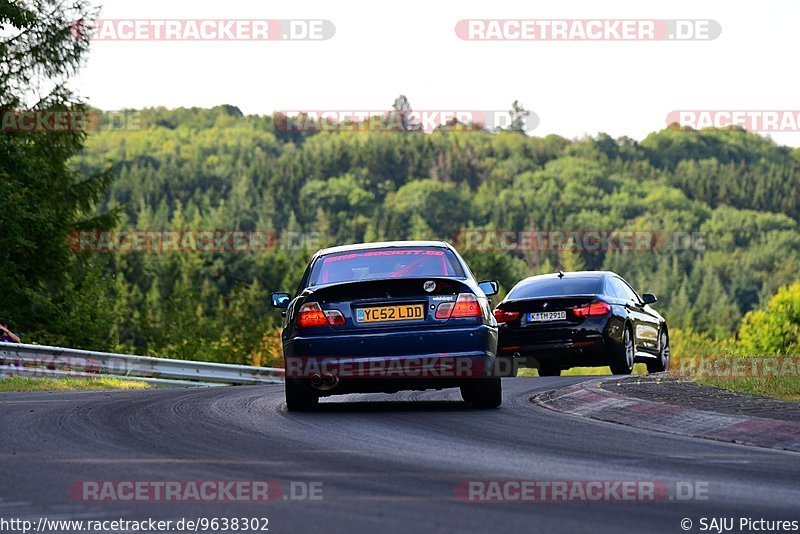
<point>466,305</point>
<point>335,317</point>
<point>311,314</point>
<point>595,309</point>
<point>503,316</point>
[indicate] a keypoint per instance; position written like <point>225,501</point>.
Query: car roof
<point>381,244</point>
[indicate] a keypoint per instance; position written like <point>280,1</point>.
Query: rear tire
<point>299,397</point>
<point>483,392</point>
<point>660,364</point>
<point>622,360</point>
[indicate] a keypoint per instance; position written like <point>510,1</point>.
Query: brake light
<point>595,309</point>
<point>504,316</point>
<point>311,314</point>
<point>466,305</point>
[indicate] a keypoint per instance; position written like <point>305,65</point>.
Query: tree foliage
<point>724,249</point>
<point>776,328</point>
<point>722,202</point>
<point>46,289</point>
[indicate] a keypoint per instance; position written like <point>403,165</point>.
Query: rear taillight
<point>311,314</point>
<point>503,316</point>
<point>466,305</point>
<point>444,310</point>
<point>335,317</point>
<point>595,309</point>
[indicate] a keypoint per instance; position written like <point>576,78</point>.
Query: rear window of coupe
<point>556,287</point>
<point>373,264</point>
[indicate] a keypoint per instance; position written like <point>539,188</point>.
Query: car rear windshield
<point>372,264</point>
<point>556,287</point>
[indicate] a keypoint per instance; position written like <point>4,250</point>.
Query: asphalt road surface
<point>387,465</point>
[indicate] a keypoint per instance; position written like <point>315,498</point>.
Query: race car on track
<point>585,318</point>
<point>386,317</point>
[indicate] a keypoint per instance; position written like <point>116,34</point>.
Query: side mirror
<point>280,300</point>
<point>489,287</point>
<point>649,298</point>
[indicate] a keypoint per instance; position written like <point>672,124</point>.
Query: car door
<point>645,325</point>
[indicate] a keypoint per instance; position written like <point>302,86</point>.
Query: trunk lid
<point>388,304</point>
<point>538,312</point>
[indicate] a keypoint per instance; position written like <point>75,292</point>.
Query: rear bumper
<point>422,356</point>
<point>589,345</point>
<point>583,354</point>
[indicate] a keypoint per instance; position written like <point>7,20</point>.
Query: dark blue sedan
<point>386,317</point>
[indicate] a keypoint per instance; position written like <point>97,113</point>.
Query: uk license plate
<point>384,314</point>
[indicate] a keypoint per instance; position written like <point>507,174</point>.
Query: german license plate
<point>543,317</point>
<point>384,314</point>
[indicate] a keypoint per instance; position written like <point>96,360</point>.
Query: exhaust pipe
<point>329,379</point>
<point>324,382</point>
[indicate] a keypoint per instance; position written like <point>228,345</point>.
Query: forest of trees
<point>212,169</point>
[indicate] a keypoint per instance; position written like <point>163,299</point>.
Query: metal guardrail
<point>41,361</point>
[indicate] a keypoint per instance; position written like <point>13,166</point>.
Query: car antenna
<point>561,274</point>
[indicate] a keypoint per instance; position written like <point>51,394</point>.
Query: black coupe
<point>586,318</point>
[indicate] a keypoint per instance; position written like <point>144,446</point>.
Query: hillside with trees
<point>736,193</point>
<point>723,204</point>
